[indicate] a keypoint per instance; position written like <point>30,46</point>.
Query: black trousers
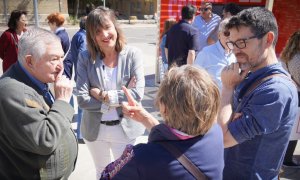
<point>290,151</point>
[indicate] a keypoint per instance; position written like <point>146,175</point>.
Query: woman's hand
<point>136,112</point>
<point>100,95</point>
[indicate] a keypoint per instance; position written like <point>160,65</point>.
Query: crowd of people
<point>229,104</point>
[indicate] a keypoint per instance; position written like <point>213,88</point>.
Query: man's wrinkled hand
<point>63,87</point>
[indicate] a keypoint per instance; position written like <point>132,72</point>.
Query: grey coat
<point>36,138</point>
<point>90,74</point>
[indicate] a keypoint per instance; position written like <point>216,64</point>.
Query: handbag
<point>186,162</point>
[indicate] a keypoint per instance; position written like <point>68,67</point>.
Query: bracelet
<point>100,94</point>
<point>105,97</point>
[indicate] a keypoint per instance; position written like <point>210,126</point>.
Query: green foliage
<point>73,20</point>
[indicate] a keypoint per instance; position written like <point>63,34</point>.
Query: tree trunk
<point>76,9</point>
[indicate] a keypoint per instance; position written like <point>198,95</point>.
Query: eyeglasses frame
<point>244,41</point>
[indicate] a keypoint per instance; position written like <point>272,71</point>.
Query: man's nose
<point>104,33</point>
<point>60,65</point>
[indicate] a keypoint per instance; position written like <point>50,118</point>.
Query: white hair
<point>223,24</point>
<point>33,42</point>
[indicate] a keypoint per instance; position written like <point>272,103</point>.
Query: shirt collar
<point>221,49</point>
<point>59,29</point>
<point>265,71</point>
<point>40,85</point>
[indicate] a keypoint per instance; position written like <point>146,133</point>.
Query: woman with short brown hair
<point>188,100</point>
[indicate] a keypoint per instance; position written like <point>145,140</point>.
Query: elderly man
<point>257,126</point>
<point>215,57</point>
<point>36,137</point>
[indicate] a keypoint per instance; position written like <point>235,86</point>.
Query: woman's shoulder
<point>130,50</point>
<point>7,33</point>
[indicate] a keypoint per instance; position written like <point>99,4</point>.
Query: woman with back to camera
<point>102,70</point>
<point>9,39</point>
<point>188,100</point>
<point>55,22</point>
<point>290,57</point>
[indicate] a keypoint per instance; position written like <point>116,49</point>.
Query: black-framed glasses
<point>241,43</point>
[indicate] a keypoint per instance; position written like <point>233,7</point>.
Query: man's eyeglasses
<point>241,43</point>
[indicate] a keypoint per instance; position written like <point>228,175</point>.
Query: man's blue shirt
<point>263,130</point>
<point>207,29</point>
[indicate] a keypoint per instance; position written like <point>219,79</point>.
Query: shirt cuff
<point>113,98</point>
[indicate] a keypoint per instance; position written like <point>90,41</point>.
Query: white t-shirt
<point>110,83</point>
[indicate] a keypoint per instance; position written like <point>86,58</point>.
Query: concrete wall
<point>45,7</point>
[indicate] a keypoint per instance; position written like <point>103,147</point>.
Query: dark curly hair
<point>260,20</point>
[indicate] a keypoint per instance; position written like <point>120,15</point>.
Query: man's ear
<point>270,38</point>
<point>29,61</point>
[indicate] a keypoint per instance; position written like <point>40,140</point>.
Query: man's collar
<point>40,85</point>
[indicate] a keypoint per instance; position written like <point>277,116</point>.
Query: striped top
<point>207,28</point>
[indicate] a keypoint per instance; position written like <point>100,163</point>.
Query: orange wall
<point>287,14</point>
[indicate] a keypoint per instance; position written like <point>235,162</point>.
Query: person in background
<point>207,23</point>
<point>167,25</point>
<point>182,43</point>
<point>290,57</point>
<point>78,44</point>
<point>188,100</point>
<point>37,140</point>
<point>9,39</point>
<point>101,71</point>
<point>258,100</point>
<point>215,57</point>
<point>55,22</point>
<point>230,9</point>
<point>89,7</point>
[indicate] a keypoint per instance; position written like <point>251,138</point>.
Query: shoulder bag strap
<point>252,88</point>
<point>15,41</point>
<point>196,172</point>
